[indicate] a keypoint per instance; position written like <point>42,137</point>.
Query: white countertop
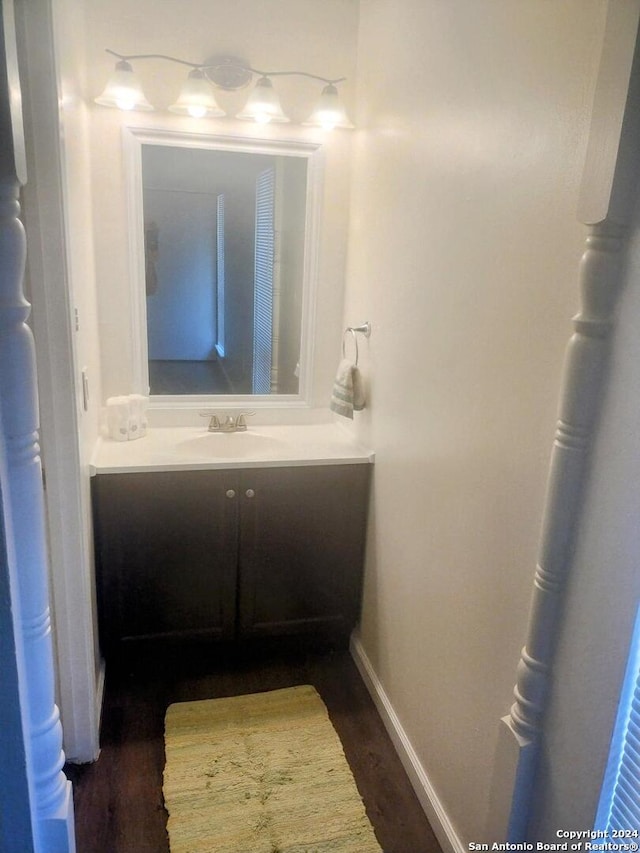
<point>193,448</point>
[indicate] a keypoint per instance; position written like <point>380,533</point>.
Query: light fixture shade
<point>329,112</point>
<point>196,97</point>
<point>123,90</point>
<point>263,104</point>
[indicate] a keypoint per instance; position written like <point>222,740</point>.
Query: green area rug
<point>263,773</point>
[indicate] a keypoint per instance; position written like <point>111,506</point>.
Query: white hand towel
<point>348,393</point>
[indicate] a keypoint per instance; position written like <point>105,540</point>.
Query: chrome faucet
<point>229,424</point>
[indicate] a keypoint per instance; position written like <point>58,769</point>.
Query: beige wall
<point>464,246</point>
<point>75,128</point>
<point>319,37</point>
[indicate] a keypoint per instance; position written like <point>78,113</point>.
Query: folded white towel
<point>127,417</point>
<point>118,418</point>
<point>348,393</point>
<point>138,404</point>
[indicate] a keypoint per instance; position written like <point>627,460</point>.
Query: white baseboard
<point>433,808</point>
<point>100,695</point>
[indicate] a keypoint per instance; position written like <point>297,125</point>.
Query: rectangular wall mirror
<point>223,266</point>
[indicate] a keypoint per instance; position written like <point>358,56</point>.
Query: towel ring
<point>364,329</point>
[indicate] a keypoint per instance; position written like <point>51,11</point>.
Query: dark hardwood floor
<point>118,800</point>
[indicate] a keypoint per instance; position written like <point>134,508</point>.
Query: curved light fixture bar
<point>229,73</point>
<point>297,74</point>
<point>223,63</point>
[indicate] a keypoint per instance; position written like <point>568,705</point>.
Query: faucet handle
<point>241,423</point>
<point>214,421</point>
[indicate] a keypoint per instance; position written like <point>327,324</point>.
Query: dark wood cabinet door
<point>302,537</point>
<point>166,547</point>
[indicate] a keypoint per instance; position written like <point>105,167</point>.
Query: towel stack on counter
<point>127,417</point>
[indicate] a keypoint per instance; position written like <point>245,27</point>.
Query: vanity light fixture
<point>263,104</point>
<point>123,90</point>
<point>197,98</point>
<point>329,112</point>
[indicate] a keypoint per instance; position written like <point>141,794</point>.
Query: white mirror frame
<point>133,140</point>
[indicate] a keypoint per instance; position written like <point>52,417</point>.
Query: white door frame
<point>80,673</point>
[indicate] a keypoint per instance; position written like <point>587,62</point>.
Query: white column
<point>610,187</point>
<point>16,820</point>
<point>53,806</point>
<point>583,388</point>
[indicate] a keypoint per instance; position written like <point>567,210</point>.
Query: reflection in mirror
<point>224,265</point>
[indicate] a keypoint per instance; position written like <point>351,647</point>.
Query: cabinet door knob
<point>250,493</point>
<point>231,493</point>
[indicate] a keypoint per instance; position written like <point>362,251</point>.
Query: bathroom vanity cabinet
<point>230,553</point>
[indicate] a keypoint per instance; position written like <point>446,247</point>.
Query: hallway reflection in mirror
<point>224,244</point>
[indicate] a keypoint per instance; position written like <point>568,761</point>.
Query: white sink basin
<point>229,445</point>
<point>192,449</point>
